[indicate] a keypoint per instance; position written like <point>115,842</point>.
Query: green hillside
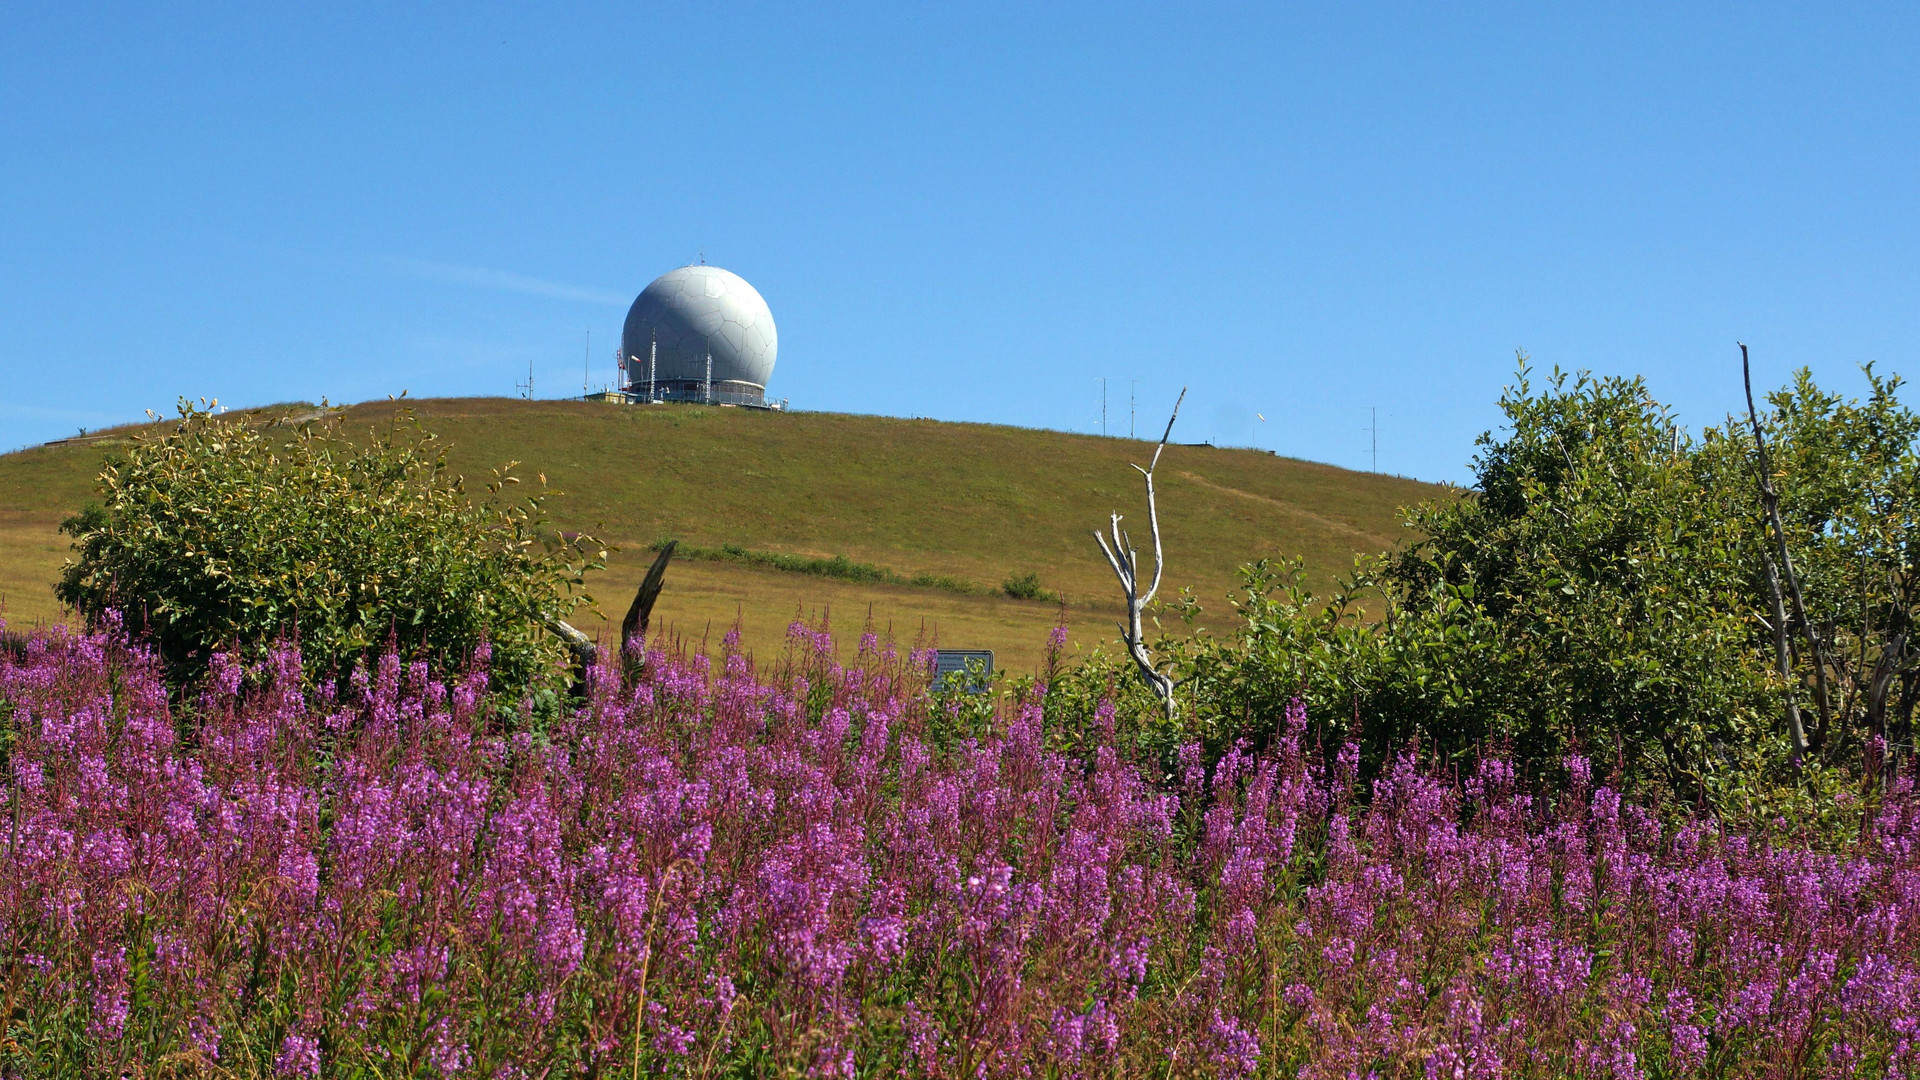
<point>970,504</point>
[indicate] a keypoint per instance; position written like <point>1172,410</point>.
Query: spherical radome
<point>689,313</point>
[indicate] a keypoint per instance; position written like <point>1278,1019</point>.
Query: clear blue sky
<point>960,211</point>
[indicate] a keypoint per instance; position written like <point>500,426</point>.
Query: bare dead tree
<point>1783,660</point>
<point>1126,566</point>
<point>634,626</point>
<point>581,648</point>
<point>1783,656</point>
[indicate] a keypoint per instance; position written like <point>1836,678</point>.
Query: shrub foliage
<point>227,531</point>
<point>1027,587</point>
<point>1602,590</point>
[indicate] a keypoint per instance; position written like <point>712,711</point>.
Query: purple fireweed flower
<point>299,1056</point>
<point>1687,1038</point>
<point>1232,1049</point>
<point>799,864</point>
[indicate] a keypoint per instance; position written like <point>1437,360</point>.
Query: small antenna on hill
<point>1103,406</point>
<point>586,366</point>
<point>1373,429</point>
<point>526,388</point>
<point>1133,392</point>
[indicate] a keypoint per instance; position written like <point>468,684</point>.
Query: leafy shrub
<point>223,532</point>
<point>1849,481</point>
<point>1027,587</point>
<point>1602,591</point>
<point>1599,590</point>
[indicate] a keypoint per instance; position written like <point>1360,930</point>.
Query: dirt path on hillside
<point>1292,509</point>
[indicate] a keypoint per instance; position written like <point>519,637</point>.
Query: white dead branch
<point>1126,566</point>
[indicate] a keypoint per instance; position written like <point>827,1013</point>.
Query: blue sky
<point>969,212</point>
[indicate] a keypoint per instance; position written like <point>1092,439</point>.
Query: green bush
<point>1849,483</point>
<point>1592,595</point>
<point>1027,587</point>
<point>1601,591</point>
<point>1610,561</point>
<point>230,532</point>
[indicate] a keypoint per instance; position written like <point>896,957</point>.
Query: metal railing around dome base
<point>698,393</point>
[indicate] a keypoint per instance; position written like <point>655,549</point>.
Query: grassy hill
<point>970,504</point>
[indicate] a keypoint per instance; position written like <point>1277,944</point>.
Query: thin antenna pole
<point>1103,405</point>
<point>586,366</point>
<point>653,359</point>
<point>1374,429</point>
<point>1133,392</point>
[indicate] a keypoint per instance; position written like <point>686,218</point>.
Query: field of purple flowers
<point>713,871</point>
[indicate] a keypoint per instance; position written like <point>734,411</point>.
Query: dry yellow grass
<point>702,600</point>
<point>31,550</point>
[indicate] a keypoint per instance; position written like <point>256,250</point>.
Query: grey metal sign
<point>952,668</point>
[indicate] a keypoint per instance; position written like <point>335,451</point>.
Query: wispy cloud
<point>504,280</point>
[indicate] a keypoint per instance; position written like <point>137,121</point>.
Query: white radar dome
<point>688,318</point>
